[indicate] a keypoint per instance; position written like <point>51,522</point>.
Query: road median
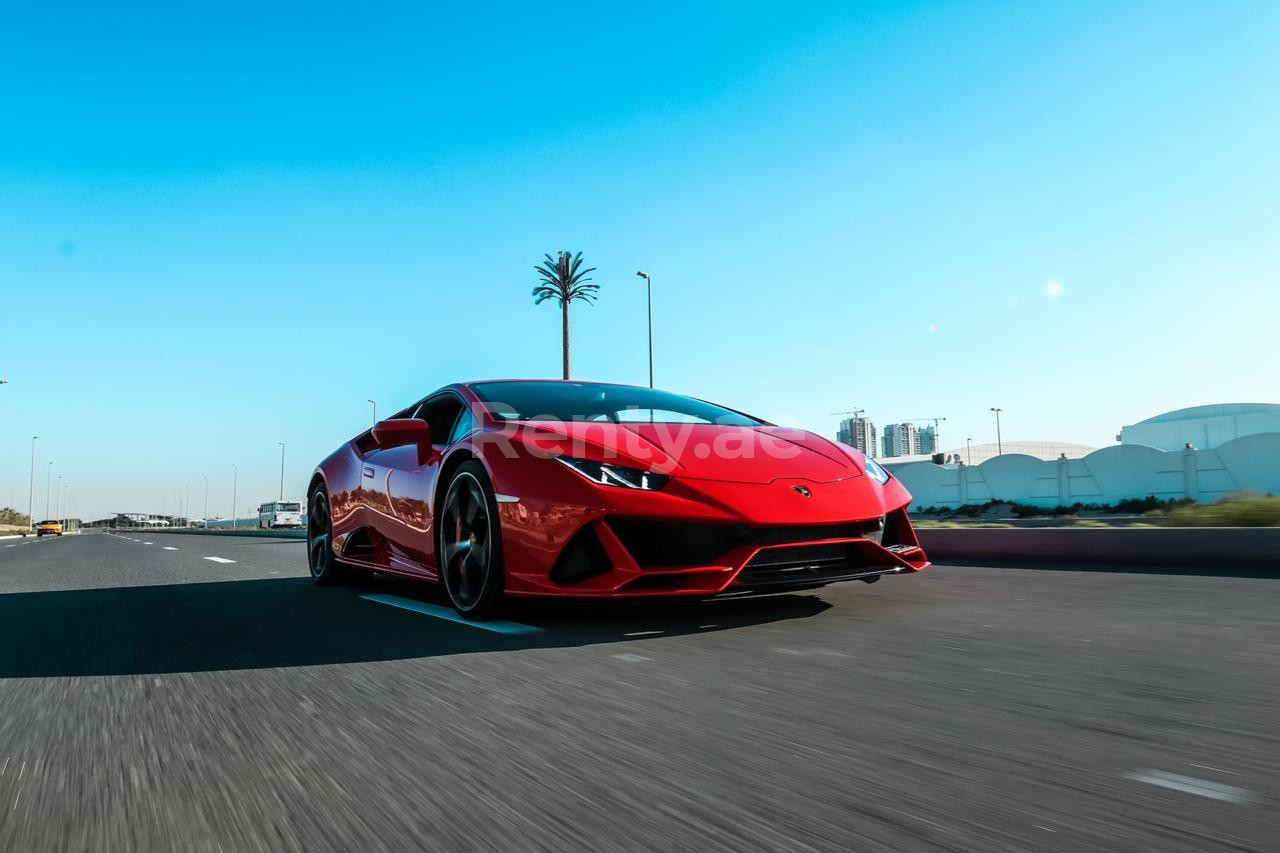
<point>1253,546</point>
<point>215,531</point>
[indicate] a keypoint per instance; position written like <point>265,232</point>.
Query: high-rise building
<point>928,440</point>
<point>901,440</point>
<point>859,433</point>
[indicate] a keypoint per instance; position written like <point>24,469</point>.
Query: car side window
<point>465,423</point>
<point>441,414</point>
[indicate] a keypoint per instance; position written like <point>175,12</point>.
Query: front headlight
<point>875,472</point>
<point>608,474</point>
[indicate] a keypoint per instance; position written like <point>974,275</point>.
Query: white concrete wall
<point>1251,463</point>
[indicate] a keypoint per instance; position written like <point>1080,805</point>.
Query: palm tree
<point>564,280</point>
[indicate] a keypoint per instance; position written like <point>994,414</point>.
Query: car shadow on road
<point>285,622</point>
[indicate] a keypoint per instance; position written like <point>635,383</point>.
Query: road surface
<point>155,698</point>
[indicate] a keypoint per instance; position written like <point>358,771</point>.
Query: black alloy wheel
<point>326,570</point>
<point>470,544</point>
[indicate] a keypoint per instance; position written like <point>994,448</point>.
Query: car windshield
<point>589,401</point>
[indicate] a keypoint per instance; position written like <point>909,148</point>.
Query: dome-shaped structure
<point>1203,427</point>
<point>1214,410</point>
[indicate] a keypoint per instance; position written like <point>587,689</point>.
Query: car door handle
<point>368,472</point>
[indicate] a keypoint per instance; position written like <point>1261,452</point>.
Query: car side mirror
<point>402,432</point>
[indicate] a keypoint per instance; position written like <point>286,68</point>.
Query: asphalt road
<point>154,699</point>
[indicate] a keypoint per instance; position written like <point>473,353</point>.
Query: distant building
<point>1204,453</point>
<point>859,433</point>
<point>928,441</point>
<point>1203,427</point>
<point>976,454</point>
<point>901,440</point>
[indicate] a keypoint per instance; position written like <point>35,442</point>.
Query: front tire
<point>469,544</point>
<point>326,569</point>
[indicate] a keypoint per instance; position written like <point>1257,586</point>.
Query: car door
<point>407,476</point>
<point>374,497</point>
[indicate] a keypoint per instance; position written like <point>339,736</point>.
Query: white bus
<point>280,514</point>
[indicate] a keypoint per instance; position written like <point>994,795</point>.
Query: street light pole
<point>374,403</point>
<point>206,503</point>
<point>281,443</point>
<point>31,489</point>
<point>235,479</point>
<point>48,484</point>
<point>57,502</point>
<point>968,451</point>
<point>999,443</point>
<point>649,286</point>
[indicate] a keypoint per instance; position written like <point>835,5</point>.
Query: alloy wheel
<point>319,534</point>
<point>466,542</point>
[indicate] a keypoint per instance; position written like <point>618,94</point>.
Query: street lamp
<point>374,403</point>
<point>968,451</point>
<point>57,502</point>
<point>649,286</point>
<point>31,489</point>
<point>281,443</point>
<point>999,444</point>
<point>48,484</point>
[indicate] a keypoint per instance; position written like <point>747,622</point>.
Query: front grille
<point>811,565</point>
<point>689,544</point>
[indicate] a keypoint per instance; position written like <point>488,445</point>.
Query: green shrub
<point>1244,511</point>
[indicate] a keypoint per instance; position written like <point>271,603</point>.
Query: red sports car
<point>565,488</point>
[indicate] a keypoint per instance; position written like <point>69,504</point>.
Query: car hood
<point>705,451</point>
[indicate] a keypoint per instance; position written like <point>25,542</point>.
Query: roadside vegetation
<point>10,517</point>
<point>1243,510</point>
<point>12,521</point>
<point>1247,511</point>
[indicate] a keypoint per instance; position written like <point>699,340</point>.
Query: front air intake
<point>583,558</point>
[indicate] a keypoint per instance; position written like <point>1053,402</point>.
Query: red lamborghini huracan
<point>565,488</point>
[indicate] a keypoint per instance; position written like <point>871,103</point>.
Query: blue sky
<point>272,216</point>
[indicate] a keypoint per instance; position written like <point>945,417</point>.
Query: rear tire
<point>469,544</point>
<point>326,568</point>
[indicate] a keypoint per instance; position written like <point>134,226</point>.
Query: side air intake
<point>583,558</point>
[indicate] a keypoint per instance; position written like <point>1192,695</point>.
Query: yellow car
<point>50,527</point>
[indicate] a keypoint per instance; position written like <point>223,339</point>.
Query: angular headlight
<point>875,472</point>
<point>608,474</point>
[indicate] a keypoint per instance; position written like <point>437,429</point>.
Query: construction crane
<point>937,445</point>
<point>851,413</point>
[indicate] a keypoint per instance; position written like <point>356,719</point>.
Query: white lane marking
<point>219,560</point>
<point>170,548</point>
<point>630,658</point>
<point>8,546</point>
<point>450,615</point>
<point>643,633</point>
<point>1214,769</point>
<point>19,783</point>
<point>148,543</point>
<point>1192,785</point>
